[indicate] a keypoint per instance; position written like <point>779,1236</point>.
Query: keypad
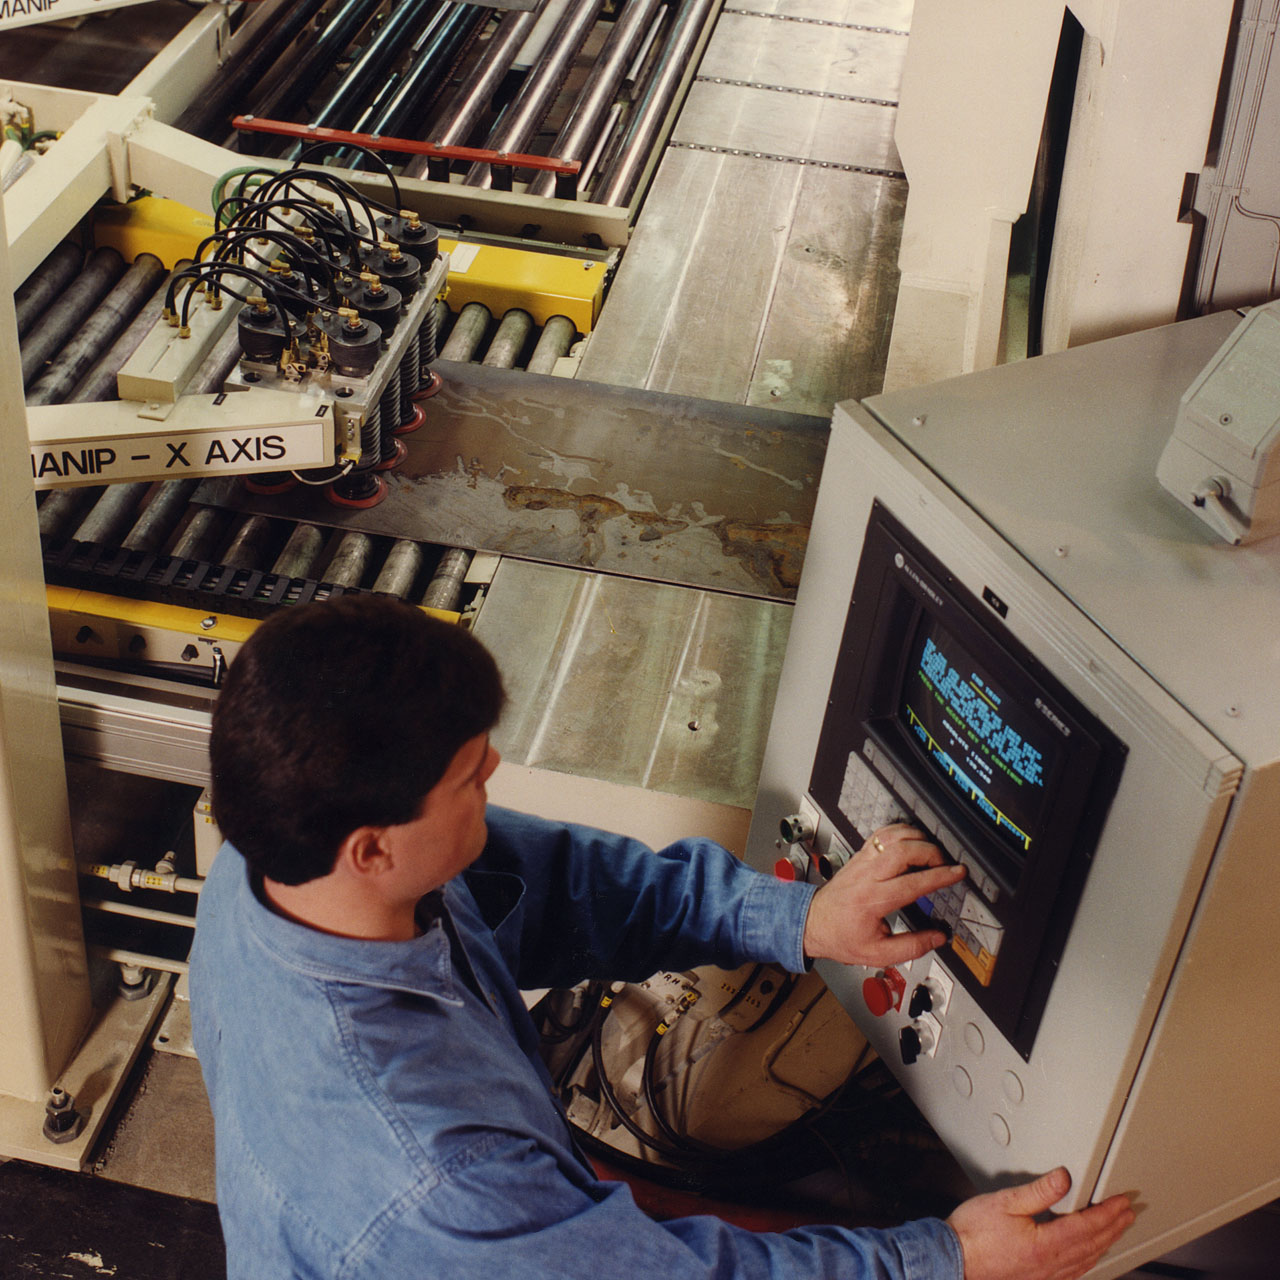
<point>869,805</point>
<point>976,933</point>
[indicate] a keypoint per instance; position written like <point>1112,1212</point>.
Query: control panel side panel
<point>1004,1111</point>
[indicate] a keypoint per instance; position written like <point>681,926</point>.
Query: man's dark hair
<point>340,715</point>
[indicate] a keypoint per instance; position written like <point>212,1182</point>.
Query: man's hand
<point>847,916</point>
<point>1001,1239</point>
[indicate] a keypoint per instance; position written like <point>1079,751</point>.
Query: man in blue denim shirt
<point>381,1109</point>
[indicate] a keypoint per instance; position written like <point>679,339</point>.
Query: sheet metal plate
<point>643,684</point>
<point>630,482</point>
<point>808,274</point>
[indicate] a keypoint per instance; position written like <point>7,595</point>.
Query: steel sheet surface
<point>632,482</point>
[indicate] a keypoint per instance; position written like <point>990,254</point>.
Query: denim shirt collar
<point>422,966</point>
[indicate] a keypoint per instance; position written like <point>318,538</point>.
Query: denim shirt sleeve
<point>599,905</point>
<point>509,1214</point>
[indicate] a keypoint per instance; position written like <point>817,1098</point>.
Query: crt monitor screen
<point>996,755</point>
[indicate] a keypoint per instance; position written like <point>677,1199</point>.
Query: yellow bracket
<point>150,224</point>
<point>499,276</point>
<point>543,284</point>
<point>117,620</point>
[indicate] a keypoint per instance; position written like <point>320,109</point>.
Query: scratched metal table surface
<point>612,478</point>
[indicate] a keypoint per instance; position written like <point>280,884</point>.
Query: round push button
<point>1000,1130</point>
<point>879,994</point>
<point>962,1081</point>
<point>974,1038</point>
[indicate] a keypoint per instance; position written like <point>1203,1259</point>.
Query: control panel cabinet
<point>1009,636</point>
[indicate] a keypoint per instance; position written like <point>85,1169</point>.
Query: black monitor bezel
<point>898,582</point>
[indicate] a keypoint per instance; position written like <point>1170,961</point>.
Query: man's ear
<point>365,853</point>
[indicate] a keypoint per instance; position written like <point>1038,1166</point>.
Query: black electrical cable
<point>679,1141</point>
<point>200,276</point>
<point>563,1031</point>
<point>369,154</point>
<point>611,1098</point>
<point>340,187</point>
<point>326,226</point>
<point>235,239</point>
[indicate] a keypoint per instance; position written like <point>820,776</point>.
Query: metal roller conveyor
<point>553,344</point>
<point>65,509</point>
<point>444,591</point>
<point>289,91</point>
<point>90,533</point>
<point>148,539</point>
<point>113,514</point>
<point>213,112</point>
<point>100,382</point>
<point>107,321</point>
<point>431,61</point>
<point>342,109</point>
<point>581,132</point>
<point>300,552</point>
<point>46,282</point>
<point>463,111</point>
<point>350,560</point>
<point>510,340</point>
<point>160,516</point>
<point>621,173</point>
<point>468,333</point>
<point>526,112</point>
<point>49,333</point>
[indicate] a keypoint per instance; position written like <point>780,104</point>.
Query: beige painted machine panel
<point>1033,488</point>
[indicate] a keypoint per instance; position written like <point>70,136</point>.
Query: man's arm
<point>697,904</point>
<point>602,905</point>
<point>599,905</point>
<point>513,1212</point>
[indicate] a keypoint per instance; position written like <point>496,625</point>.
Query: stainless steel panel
<point>638,683</point>
<point>803,126</point>
<point>685,307</point>
<point>649,485</point>
<point>135,724</point>
<point>826,335</point>
<point>752,281</point>
<point>748,278</point>
<point>805,55</point>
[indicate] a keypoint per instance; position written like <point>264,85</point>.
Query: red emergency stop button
<point>790,867</point>
<point>884,991</point>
